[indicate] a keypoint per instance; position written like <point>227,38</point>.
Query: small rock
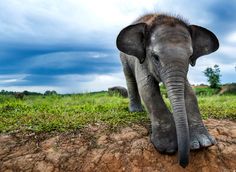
<point>96,155</point>
<point>126,134</point>
<point>228,150</point>
<point>102,140</point>
<point>140,144</point>
<point>4,138</point>
<point>82,150</point>
<point>8,170</point>
<point>223,131</point>
<point>43,166</point>
<point>118,155</point>
<point>233,133</point>
<point>136,169</point>
<point>135,153</point>
<point>107,157</point>
<point>148,156</point>
<point>141,130</point>
<point>49,143</point>
<point>53,156</point>
<point>120,142</point>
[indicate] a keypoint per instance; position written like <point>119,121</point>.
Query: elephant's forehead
<point>170,33</point>
<point>170,37</point>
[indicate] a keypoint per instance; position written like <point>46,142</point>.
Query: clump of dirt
<point>96,148</point>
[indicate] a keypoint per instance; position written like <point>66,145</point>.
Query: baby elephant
<point>159,48</point>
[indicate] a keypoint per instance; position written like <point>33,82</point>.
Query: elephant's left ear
<point>132,41</point>
<point>204,42</point>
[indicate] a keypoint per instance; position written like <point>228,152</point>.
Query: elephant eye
<point>156,57</point>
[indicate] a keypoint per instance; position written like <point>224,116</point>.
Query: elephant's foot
<point>135,107</point>
<point>164,139</point>
<point>200,138</point>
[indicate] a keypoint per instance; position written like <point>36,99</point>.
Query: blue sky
<point>69,45</point>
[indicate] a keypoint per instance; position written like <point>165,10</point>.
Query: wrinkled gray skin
<point>164,55</point>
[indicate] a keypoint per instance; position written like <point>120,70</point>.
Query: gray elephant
<point>122,91</point>
<point>159,48</point>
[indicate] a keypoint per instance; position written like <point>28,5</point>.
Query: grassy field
<point>68,112</point>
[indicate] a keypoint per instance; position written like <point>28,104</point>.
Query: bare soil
<point>97,148</point>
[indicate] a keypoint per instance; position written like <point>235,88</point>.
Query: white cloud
<point>75,20</point>
<point>87,83</point>
<point>229,50</point>
<point>6,79</point>
<point>67,20</point>
<point>72,83</point>
<point>231,38</point>
<point>103,82</point>
<point>39,89</point>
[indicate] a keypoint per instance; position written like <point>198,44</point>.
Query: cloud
<point>68,21</point>
<point>56,63</point>
<point>231,38</point>
<point>94,82</point>
<point>228,50</point>
<point>75,62</point>
<point>45,44</point>
<point>38,89</point>
<point>11,79</point>
<point>71,83</point>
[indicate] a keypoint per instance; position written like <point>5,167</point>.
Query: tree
<point>213,75</point>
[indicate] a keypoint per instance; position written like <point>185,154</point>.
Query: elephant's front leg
<point>163,134</point>
<point>199,136</point>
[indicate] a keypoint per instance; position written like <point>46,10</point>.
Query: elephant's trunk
<point>174,81</point>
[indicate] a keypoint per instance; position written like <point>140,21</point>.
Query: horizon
<point>69,46</point>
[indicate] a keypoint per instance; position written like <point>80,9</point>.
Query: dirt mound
<point>96,148</point>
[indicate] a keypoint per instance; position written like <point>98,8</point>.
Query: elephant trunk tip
<point>183,162</point>
<point>183,153</point>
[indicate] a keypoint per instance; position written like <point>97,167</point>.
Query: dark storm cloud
<point>43,68</point>
<point>88,62</point>
<point>35,58</point>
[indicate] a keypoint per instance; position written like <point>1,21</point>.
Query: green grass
<point>219,107</point>
<point>61,113</point>
<point>69,112</point>
<point>206,91</point>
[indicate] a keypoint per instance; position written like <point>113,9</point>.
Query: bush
<point>206,91</point>
<point>48,92</point>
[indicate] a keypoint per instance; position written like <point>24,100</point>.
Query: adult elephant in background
<point>159,48</point>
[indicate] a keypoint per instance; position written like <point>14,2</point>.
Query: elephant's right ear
<point>204,42</point>
<point>131,40</point>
